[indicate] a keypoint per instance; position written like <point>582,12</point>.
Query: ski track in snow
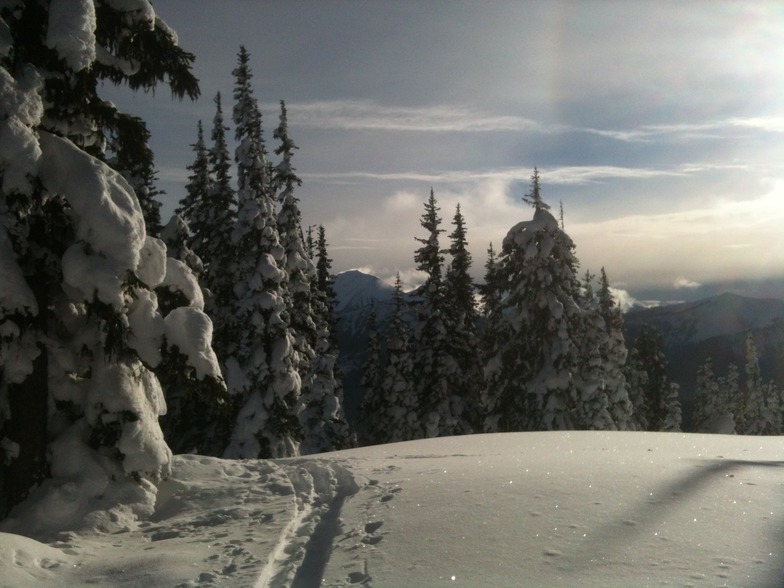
<point>302,550</point>
<point>272,524</point>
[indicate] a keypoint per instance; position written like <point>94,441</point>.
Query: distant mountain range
<point>716,326</point>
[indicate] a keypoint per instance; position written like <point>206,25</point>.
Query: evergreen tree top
<point>285,176</point>
<point>534,197</point>
<point>219,156</point>
<point>429,257</point>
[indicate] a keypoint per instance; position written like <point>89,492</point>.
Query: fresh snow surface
<point>522,509</point>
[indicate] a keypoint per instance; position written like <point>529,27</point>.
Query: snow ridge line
<point>320,489</point>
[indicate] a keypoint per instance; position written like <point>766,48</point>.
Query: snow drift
<point>533,509</point>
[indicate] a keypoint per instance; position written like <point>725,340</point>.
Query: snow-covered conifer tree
<point>614,354</point>
<point>705,397</point>
<point>713,401</point>
<point>592,410</point>
<point>760,407</point>
<point>490,290</point>
<point>129,153</point>
<point>297,263</point>
<point>176,235</point>
<point>373,427</point>
<point>79,314</point>
<point>322,417</point>
<point>660,410</point>
<point>198,412</point>
<point>321,411</point>
<point>495,331</point>
<point>729,387</point>
<point>216,249</point>
<point>401,415</point>
<point>324,285</point>
<point>194,208</point>
<point>534,375</point>
<point>465,379</point>
<point>261,369</point>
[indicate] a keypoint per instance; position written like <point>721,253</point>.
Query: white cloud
<point>719,240</point>
<point>623,298</point>
<point>682,282</point>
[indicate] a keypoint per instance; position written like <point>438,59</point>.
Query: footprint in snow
<point>358,578</point>
<point>373,526</point>
<point>372,539</point>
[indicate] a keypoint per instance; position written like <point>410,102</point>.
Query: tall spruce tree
<point>79,315</point>
<point>432,364</point>
<point>325,283</point>
<point>321,411</point>
<point>465,379</point>
<point>494,332</point>
<point>194,207</point>
<point>129,153</point>
<point>297,263</point>
<point>261,371</point>
<point>400,414</point>
<point>326,379</point>
<point>217,248</point>
<point>613,355</point>
<point>592,411</point>
<point>373,427</point>
<point>713,410</point>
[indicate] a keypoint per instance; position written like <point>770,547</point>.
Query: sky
<point>659,126</point>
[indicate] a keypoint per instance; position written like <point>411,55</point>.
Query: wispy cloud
<point>680,131</point>
<point>570,175</point>
<point>368,115</point>
<point>358,115</point>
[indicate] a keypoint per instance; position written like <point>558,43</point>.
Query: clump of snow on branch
<point>72,32</point>
<point>190,330</point>
<point>122,388</point>
<point>107,212</point>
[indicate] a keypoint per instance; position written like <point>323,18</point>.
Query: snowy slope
<point>533,509</point>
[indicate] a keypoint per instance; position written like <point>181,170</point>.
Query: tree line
<point>270,297</point>
<point>550,355</point>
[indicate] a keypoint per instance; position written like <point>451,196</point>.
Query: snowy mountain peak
<point>355,289</point>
